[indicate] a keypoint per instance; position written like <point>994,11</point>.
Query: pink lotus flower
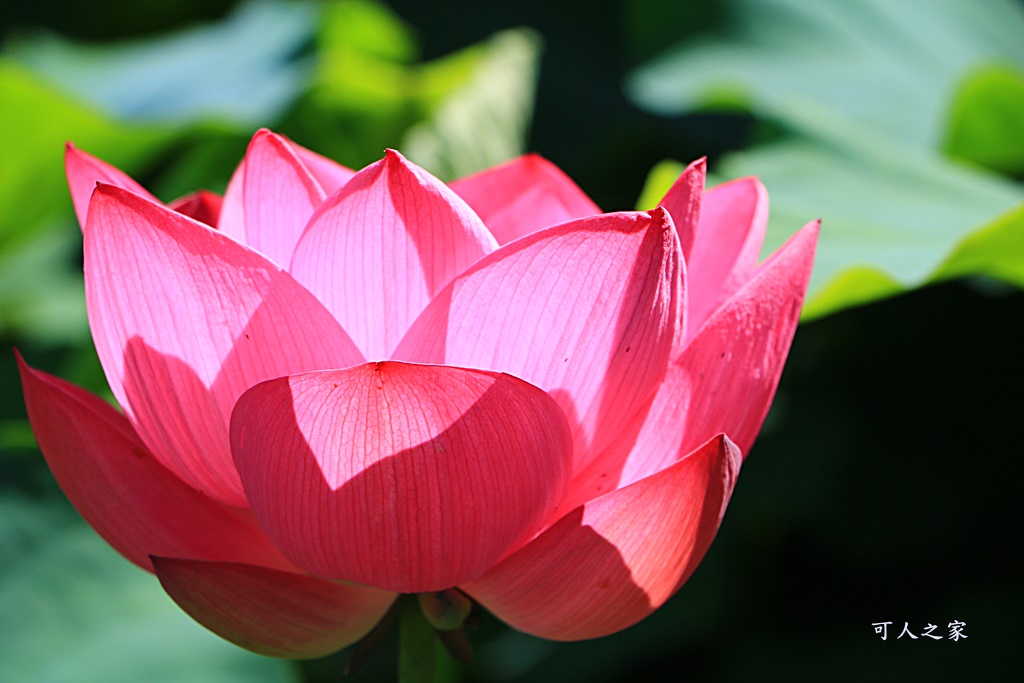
<point>363,384</point>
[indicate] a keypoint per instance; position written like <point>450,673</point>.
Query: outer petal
<point>280,195</point>
<point>231,221</point>
<point>610,563</point>
<point>380,249</point>
<point>185,320</point>
<point>272,612</point>
<point>587,311</point>
<point>84,171</point>
<point>723,382</point>
<point>406,477</point>
<point>683,202</point>
<point>129,498</point>
<point>522,196</point>
<point>733,218</point>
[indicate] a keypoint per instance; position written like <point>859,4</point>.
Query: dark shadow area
<point>176,415</point>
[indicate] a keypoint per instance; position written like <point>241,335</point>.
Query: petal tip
<point>660,216</point>
<point>393,156</point>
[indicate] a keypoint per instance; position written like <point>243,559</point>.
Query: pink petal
<point>724,380</point>
<point>610,563</point>
<point>202,206</point>
<point>406,477</point>
<point>683,202</point>
<point>522,196</point>
<point>280,195</point>
<point>272,612</point>
<point>231,221</point>
<point>587,311</point>
<point>185,320</point>
<point>84,171</point>
<point>129,498</point>
<point>329,175</point>
<point>377,251</point>
<point>733,218</point>
<point>738,356</point>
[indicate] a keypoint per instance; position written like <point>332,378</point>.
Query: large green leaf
<point>38,120</point>
<point>245,68</point>
<point>861,90</point>
<point>895,217</point>
<point>74,611</point>
<point>482,120</point>
<point>891,65</point>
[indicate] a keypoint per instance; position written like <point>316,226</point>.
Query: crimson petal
<point>611,562</point>
<point>272,612</point>
<point>128,497</point>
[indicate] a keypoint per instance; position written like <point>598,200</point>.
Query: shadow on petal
<point>180,420</point>
<point>564,585</point>
<point>184,420</point>
<point>613,561</point>
<point>405,477</point>
<point>271,612</point>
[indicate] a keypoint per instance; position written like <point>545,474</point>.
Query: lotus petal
<point>736,358</point>
<point>279,196</point>
<point>608,564</point>
<point>588,311</point>
<point>84,171</point>
<point>185,320</point>
<point>202,206</point>
<point>272,612</point>
<point>406,477</point>
<point>379,250</point>
<point>522,196</point>
<point>733,220</point>
<point>129,498</point>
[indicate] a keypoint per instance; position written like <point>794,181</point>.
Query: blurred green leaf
<point>484,119</point>
<point>860,90</point>
<point>987,119</point>
<point>40,294</point>
<point>895,217</point>
<point>38,120</point>
<point>76,612</point>
<point>453,115</point>
<point>246,68</point>
<point>997,249</point>
<point>362,95</point>
<point>892,65</point>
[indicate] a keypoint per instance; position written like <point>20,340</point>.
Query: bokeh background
<point>886,483</point>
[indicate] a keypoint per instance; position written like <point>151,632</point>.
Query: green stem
<point>416,644</point>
